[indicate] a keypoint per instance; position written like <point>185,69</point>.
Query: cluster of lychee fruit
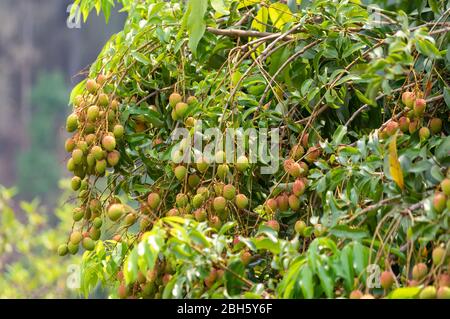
<point>415,107</point>
<point>97,132</point>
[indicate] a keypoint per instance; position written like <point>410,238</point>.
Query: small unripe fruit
<point>419,271</point>
<point>182,200</point>
<point>197,200</point>
<point>101,79</point>
<point>97,222</point>
<point>200,215</point>
<point>419,107</point>
<point>75,183</point>
<point>229,192</point>
<point>436,125</point>
<point>438,255</point>
<point>90,139</point>
<point>88,243</point>
<point>75,237</point>
<point>428,292</point>
<point>174,99</point>
<point>73,248</point>
<point>219,204</point>
<point>193,180</point>
<point>91,86</point>
<point>439,202</point>
<point>92,113</point>
<point>424,133</point>
<point>181,109</point>
<point>222,171</point>
<point>103,100</point>
<point>242,163</point>
<point>294,202</point>
<point>180,172</point>
<point>203,191</point>
<point>202,165</point>
<point>356,294</point>
<point>215,222</point>
<point>271,205</point>
<point>97,152</point>
<point>153,200</point>
<point>403,123</point>
<point>118,131</point>
<point>218,188</point>
<point>62,250</point>
<point>69,145</point>
<point>72,123</point>
<point>241,201</point>
<point>443,280</point>
<point>413,126</point>
<point>100,166</point>
<point>305,140</point>
<point>297,152</point>
<point>443,293</point>
<point>367,296</point>
<point>113,158</point>
<point>130,219</point>
<point>245,257</point>
<point>300,227</point>
<point>391,128</point>
<point>283,202</point>
<point>445,186</point>
<point>273,224</point>
<point>191,100</point>
<point>387,279</point>
<point>299,187</point>
<point>312,154</point>
<point>115,211</point>
<point>77,156</point>
<point>173,212</point>
<point>408,99</point>
<point>109,143</point>
<point>77,214</point>
<point>122,291</point>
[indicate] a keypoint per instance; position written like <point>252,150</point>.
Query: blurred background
<point>42,56</point>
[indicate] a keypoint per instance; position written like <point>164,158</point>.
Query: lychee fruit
<point>75,237</point>
<point>403,123</point>
<point>97,152</point>
<point>297,152</point>
<point>438,255</point>
<point>180,172</point>
<point>294,202</point>
<point>222,171</point>
<point>283,202</point>
<point>77,156</point>
<point>197,200</point>
<point>88,243</point>
<point>439,202</point>
<point>312,154</point>
<point>174,99</point>
<point>424,133</point>
<point>428,292</point>
<point>413,126</point>
<point>118,131</point>
<point>387,279</point>
<point>100,166</point>
<point>69,145</point>
<point>273,224</point>
<point>443,293</point>
<point>419,271</point>
<point>391,128</point>
<point>245,257</point>
<point>241,201</point>
<point>200,215</point>
<point>408,99</point>
<point>445,186</point>
<point>153,200</point>
<point>91,86</point>
<point>109,143</point>
<point>103,100</point>
<point>202,164</point>
<point>436,125</point>
<point>242,163</point>
<point>75,183</point>
<point>72,123</point>
<point>271,205</point>
<point>300,227</point>
<point>115,211</point>
<point>181,200</point>
<point>229,192</point>
<point>219,204</point>
<point>181,109</point>
<point>298,188</point>
<point>113,158</point>
<point>93,113</point>
<point>191,100</point>
<point>62,250</point>
<point>419,107</point>
<point>215,222</point>
<point>193,180</point>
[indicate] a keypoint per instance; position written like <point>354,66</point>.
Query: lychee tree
<point>359,99</point>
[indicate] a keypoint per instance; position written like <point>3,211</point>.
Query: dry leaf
<point>394,165</point>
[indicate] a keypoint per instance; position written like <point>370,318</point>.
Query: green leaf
<point>196,25</point>
<point>344,231</point>
<point>260,20</point>
<point>220,7</point>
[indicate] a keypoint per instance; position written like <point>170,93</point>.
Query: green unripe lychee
<point>89,128</point>
<point>181,109</point>
<point>294,202</point>
<point>200,215</point>
<point>109,143</point>
<point>193,180</point>
<point>180,172</point>
<point>173,212</point>
<point>90,160</point>
<point>77,214</point>
<point>88,243</point>
<point>130,219</point>
<point>297,152</point>
<point>439,202</point>
<point>62,250</point>
<point>93,113</point>
<point>181,200</point>
<point>94,233</point>
<point>103,100</point>
<point>219,204</point>
<point>197,200</point>
<point>72,248</point>
<point>229,192</point>
<point>438,255</point>
<point>75,237</point>
<point>91,86</point>
<point>202,165</point>
<point>436,125</point>
<point>90,139</point>
<point>428,292</point>
<point>75,183</point>
<point>77,156</point>
<point>118,131</point>
<point>424,133</point>
<point>242,163</point>
<point>222,171</point>
<point>153,200</point>
<point>100,166</point>
<point>241,201</point>
<point>174,99</point>
<point>191,100</point>
<point>69,145</point>
<point>299,227</point>
<point>101,79</point>
<point>72,123</point>
<point>115,211</point>
<point>419,271</point>
<point>445,186</point>
<point>113,158</point>
<point>97,222</point>
<point>97,152</point>
<point>273,224</point>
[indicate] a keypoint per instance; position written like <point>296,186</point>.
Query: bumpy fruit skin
<point>408,99</point>
<point>297,152</point>
<point>445,186</point>
<point>92,113</point>
<point>109,143</point>
<point>113,158</point>
<point>419,107</point>
<point>436,125</point>
<point>439,202</point>
<point>387,279</point>
<point>294,202</point>
<point>181,200</point>
<point>438,255</point>
<point>200,215</point>
<point>100,167</point>
<point>283,202</point>
<point>91,86</point>
<point>443,293</point>
<point>419,271</point>
<point>118,131</point>
<point>75,183</point>
<point>403,124</point>
<point>62,250</point>
<point>298,188</point>
<point>219,204</point>
<point>115,211</point>
<point>88,243</point>
<point>424,133</point>
<point>97,152</point>
<point>312,154</point>
<point>173,212</point>
<point>75,237</point>
<point>229,192</point>
<point>356,294</point>
<point>191,100</point>
<point>242,163</point>
<point>241,201</point>
<point>103,100</point>
<point>300,227</point>
<point>273,224</point>
<point>391,128</point>
<point>271,205</point>
<point>153,200</point>
<point>72,123</point>
<point>193,180</point>
<point>202,165</point>
<point>174,99</point>
<point>197,201</point>
<point>181,109</point>
<point>428,292</point>
<point>180,172</point>
<point>222,171</point>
